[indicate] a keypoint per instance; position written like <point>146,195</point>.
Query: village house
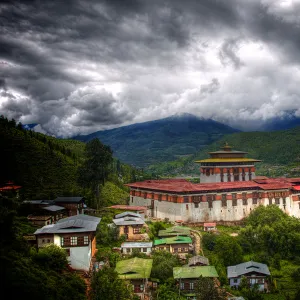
<point>76,234</point>
<point>41,220</point>
<point>57,212</point>
<point>128,248</point>
<point>255,273</point>
<point>198,261</point>
<point>181,245</point>
<point>186,278</point>
<point>73,205</point>
<point>209,227</point>
<point>141,210</point>
<point>174,231</point>
<point>132,226</point>
<point>137,271</point>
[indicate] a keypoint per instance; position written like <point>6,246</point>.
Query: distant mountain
<point>281,123</point>
<point>161,140</point>
<point>278,150</point>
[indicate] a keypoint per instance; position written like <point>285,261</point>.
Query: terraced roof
<point>134,268</point>
<point>173,240</point>
<point>194,272</point>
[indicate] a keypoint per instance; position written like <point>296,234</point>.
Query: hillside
<point>279,151</point>
<point>162,140</point>
<point>47,167</point>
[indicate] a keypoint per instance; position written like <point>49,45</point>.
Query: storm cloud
<point>91,65</point>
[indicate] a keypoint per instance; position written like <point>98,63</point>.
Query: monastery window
<point>254,201</point>
<point>73,240</point>
<point>277,201</point>
<point>175,198</point>
<point>144,249</point>
<point>196,205</point>
<point>222,175</point>
<point>224,200</point>
<point>228,177</point>
<point>152,195</point>
<point>245,201</point>
<point>159,197</point>
<point>270,201</point>
<point>186,199</point>
<point>284,201</point>
<point>210,199</point>
<point>131,199</point>
<point>145,195</point>
<point>133,193</point>
<point>299,205</point>
<point>250,175</point>
<point>187,207</point>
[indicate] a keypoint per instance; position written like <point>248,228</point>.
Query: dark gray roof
<point>127,213</point>
<point>78,223</point>
<point>129,221</point>
<point>53,208</point>
<point>39,201</point>
<point>68,199</point>
<point>136,245</point>
<point>198,259</point>
<point>247,267</point>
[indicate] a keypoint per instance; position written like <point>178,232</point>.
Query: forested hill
<point>279,151</point>
<point>161,140</point>
<point>47,167</point>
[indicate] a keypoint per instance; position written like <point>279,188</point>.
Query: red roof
<point>128,207</point>
<point>9,188</point>
<point>182,185</point>
<point>296,187</point>
<point>209,224</point>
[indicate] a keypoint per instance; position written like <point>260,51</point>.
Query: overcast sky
<point>91,65</point>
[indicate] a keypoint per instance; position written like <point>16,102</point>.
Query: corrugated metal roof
<point>175,230</point>
<point>195,272</point>
<point>79,223</point>
<point>68,199</point>
<point>128,221</point>
<point>137,245</point>
<point>53,208</point>
<point>134,268</point>
<point>198,259</point>
<point>173,240</point>
<point>247,267</point>
<point>127,213</point>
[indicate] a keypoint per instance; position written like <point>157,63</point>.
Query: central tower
<point>227,165</point>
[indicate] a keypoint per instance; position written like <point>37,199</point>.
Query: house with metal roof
<point>137,271</point>
<point>187,277</point>
<point>128,248</point>
<point>174,231</point>
<point>74,205</point>
<point>76,234</point>
<point>198,261</point>
<point>255,273</point>
<point>132,226</point>
<point>181,245</point>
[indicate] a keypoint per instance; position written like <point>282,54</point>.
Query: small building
<point>130,247</point>
<point>198,261</point>
<point>73,205</point>
<point>187,277</point>
<point>137,271</point>
<point>40,220</point>
<point>141,210</point>
<point>255,273</point>
<point>209,226</point>
<point>76,234</point>
<point>58,212</point>
<point>181,245</point>
<point>174,231</point>
<point>132,226</point>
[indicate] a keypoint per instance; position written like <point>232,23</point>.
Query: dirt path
<point>197,236</point>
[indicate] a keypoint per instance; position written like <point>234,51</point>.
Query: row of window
<point>176,250</point>
<point>74,241</point>
<point>129,250</point>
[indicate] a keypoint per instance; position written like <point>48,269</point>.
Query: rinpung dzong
<point>228,191</point>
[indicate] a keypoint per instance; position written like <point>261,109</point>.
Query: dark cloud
<point>79,66</point>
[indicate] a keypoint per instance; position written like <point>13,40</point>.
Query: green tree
<point>163,263</point>
<point>106,284</point>
<point>228,250</point>
<point>206,289</point>
<point>167,292</point>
